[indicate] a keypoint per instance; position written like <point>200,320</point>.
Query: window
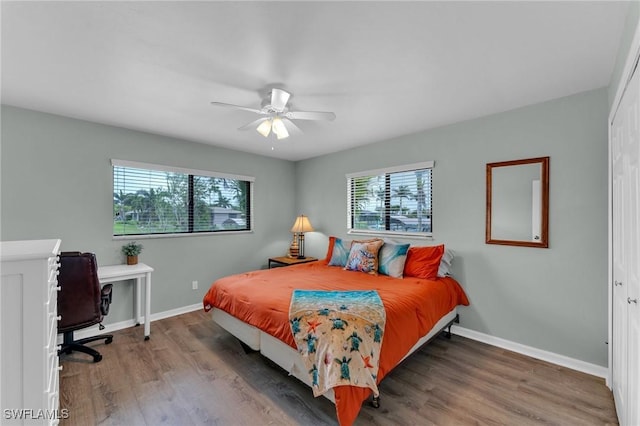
<point>152,199</point>
<point>395,200</point>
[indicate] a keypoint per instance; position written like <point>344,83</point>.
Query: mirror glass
<point>518,202</point>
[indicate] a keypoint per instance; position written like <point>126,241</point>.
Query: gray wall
<point>56,182</point>
<point>553,299</point>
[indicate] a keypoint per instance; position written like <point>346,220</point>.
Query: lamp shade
<point>302,225</point>
<point>264,128</point>
<point>279,128</point>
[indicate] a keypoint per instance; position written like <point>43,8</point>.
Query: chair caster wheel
<point>109,340</point>
<point>97,358</point>
<point>147,337</point>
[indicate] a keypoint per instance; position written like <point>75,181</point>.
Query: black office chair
<point>81,301</point>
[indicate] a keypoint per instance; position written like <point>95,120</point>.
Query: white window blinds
<point>153,199</point>
<point>396,200</point>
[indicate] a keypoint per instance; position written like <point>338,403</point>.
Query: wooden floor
<point>192,372</point>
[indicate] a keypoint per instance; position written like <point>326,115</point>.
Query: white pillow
<point>445,263</point>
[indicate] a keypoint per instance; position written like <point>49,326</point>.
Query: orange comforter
<point>413,306</point>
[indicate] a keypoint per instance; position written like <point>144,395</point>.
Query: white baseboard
<point>173,312</point>
<point>110,328</point>
<point>551,357</point>
<point>564,361</point>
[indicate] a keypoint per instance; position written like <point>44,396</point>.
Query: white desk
<point>117,273</point>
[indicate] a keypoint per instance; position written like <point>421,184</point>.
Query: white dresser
<point>29,387</point>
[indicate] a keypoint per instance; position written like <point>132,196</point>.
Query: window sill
<point>413,235</point>
<point>186,234</point>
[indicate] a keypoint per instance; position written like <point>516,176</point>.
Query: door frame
<point>632,56</point>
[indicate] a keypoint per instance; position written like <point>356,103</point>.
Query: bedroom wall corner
<point>56,182</point>
<point>631,25</point>
<point>551,299</point>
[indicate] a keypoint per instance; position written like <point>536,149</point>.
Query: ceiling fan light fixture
<point>279,128</point>
<point>274,111</point>
<point>265,128</point>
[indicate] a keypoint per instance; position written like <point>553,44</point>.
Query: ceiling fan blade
<point>253,124</point>
<point>257,111</point>
<point>310,115</point>
<point>279,99</point>
<point>291,127</point>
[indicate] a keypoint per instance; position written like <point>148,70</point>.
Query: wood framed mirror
<point>518,203</point>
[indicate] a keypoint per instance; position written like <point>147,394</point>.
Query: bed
<point>254,307</point>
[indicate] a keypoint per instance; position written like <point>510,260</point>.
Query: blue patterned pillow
<point>392,258</point>
<point>340,254</point>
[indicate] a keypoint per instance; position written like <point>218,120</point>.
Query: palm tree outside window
<point>395,200</point>
<point>154,199</point>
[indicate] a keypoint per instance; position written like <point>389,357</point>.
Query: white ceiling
<point>385,68</point>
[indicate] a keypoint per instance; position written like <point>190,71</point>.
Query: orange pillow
<point>423,262</point>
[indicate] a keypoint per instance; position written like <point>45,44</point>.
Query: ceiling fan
<point>276,116</point>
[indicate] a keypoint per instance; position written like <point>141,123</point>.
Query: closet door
<point>632,240</point>
<point>626,254</point>
<point>619,311</point>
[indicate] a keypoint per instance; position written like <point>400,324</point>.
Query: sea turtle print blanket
<point>339,335</point>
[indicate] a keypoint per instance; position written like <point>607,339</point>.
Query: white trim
<point>551,357</point>
<point>398,234</point>
<point>175,312</point>
<point>172,169</point>
<point>110,328</point>
<point>395,169</point>
<point>632,56</point>
<point>562,360</point>
<point>609,378</point>
<point>182,234</point>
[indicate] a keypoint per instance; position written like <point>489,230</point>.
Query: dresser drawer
<point>52,330</point>
<point>52,344</point>
<point>51,303</point>
<point>53,276</point>
<point>53,363</point>
<point>54,407</point>
<point>53,262</point>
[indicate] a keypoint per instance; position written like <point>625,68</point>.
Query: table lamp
<point>300,226</point>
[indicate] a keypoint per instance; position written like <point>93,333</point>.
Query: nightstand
<point>288,261</point>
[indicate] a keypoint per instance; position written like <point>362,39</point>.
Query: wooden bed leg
<point>375,402</point>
